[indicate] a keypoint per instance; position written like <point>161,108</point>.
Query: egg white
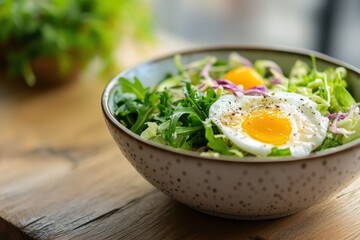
<point>308,126</point>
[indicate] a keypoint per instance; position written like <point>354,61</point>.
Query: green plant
<point>71,31</point>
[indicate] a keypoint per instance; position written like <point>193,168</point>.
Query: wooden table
<point>62,177</point>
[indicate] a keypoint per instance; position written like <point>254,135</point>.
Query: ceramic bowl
<point>247,188</point>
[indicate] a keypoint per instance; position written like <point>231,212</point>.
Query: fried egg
<point>245,76</point>
<point>257,124</point>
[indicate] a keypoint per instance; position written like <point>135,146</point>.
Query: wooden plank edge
<point>11,232</point>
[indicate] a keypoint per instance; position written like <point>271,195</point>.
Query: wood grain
<point>62,177</point>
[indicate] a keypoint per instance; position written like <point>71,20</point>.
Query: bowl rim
<point>110,87</point>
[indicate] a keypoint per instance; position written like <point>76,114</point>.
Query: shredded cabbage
<point>175,112</point>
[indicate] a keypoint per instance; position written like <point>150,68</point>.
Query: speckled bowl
<point>247,188</point>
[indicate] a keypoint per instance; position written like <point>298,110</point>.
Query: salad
<point>242,108</point>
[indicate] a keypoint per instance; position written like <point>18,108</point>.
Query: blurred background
<point>38,38</point>
<point>328,26</point>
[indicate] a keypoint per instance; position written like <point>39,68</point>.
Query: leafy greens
<point>176,111</point>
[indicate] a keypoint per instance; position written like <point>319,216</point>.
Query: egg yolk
<point>267,126</point>
<point>246,76</point>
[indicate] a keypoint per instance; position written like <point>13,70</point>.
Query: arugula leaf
<point>330,141</point>
<point>174,118</point>
<point>209,98</point>
<point>165,107</point>
<point>144,112</point>
<point>187,130</point>
<point>135,105</point>
<point>126,108</point>
<point>193,99</point>
<point>180,117</point>
<point>181,122</point>
<point>136,87</point>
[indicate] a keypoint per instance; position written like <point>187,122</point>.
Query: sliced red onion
<point>341,115</point>
<point>255,90</point>
<point>223,82</point>
<point>277,77</point>
<point>333,127</point>
<point>267,65</point>
<point>274,66</point>
<point>258,90</point>
<point>235,57</point>
<point>274,80</point>
<point>332,115</point>
<point>205,72</point>
<point>261,90</point>
<point>335,130</point>
<point>228,85</point>
<point>353,107</point>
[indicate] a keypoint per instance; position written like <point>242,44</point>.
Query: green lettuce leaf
<point>343,98</point>
<point>280,152</point>
<point>351,124</point>
<point>219,143</point>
